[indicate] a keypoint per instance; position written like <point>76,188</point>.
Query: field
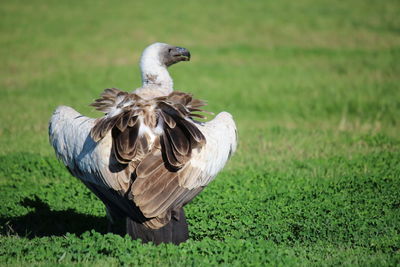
<point>314,89</point>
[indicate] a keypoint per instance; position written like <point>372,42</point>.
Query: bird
<point>150,154</point>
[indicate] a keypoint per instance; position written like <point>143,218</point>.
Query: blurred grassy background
<point>313,86</point>
<point>327,65</point>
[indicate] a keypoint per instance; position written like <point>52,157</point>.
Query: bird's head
<point>165,54</point>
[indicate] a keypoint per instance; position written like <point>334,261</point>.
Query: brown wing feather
<point>197,138</point>
<point>160,189</point>
<point>122,124</point>
<point>102,127</point>
<point>168,120</point>
<point>180,133</point>
<point>157,191</point>
<point>146,184</point>
<point>148,166</point>
<point>125,143</point>
<point>168,154</point>
<point>163,203</point>
<point>180,142</point>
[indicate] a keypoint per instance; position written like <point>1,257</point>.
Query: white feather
<point>69,133</point>
<point>151,67</point>
<point>221,142</point>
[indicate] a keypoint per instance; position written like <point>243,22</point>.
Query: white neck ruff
<point>154,73</point>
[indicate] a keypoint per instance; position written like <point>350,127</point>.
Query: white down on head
<point>154,72</point>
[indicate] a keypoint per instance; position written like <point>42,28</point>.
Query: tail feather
<point>176,231</point>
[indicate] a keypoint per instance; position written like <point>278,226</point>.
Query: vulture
<point>148,156</point>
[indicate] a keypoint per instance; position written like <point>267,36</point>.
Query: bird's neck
<point>156,75</point>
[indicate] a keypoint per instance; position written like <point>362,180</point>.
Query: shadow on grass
<point>46,222</point>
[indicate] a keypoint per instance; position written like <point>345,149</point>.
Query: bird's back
<point>151,151</point>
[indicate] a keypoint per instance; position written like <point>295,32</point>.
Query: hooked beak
<point>181,54</point>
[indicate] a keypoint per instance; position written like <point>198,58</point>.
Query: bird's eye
<point>169,50</point>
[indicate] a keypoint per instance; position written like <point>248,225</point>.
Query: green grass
<point>313,87</point>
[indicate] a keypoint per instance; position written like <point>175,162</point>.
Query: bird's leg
<point>115,224</point>
<point>180,231</point>
<point>110,220</point>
